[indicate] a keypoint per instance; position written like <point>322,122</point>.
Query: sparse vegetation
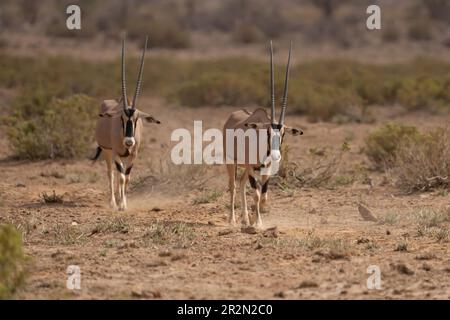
<point>179,234</point>
<point>60,129</point>
<point>381,145</point>
<point>52,198</point>
<point>340,91</point>
<point>12,261</point>
<point>208,196</point>
<point>431,218</point>
<point>424,164</point>
<point>402,247</point>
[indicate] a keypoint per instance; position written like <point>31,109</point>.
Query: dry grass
<point>52,198</point>
<point>425,164</point>
<point>178,234</point>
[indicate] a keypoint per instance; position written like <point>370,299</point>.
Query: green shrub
<point>12,261</point>
<point>381,146</point>
<point>424,164</point>
<point>423,93</point>
<point>63,128</point>
<point>335,90</point>
<point>220,89</point>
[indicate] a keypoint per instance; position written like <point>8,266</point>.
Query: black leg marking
<point>119,167</point>
<point>252,182</point>
<point>128,171</point>
<point>265,186</point>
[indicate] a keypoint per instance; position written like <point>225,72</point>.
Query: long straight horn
<point>124,85</point>
<point>141,71</point>
<point>286,82</point>
<point>272,85</point>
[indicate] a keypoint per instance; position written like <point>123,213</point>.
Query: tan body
<point>257,170</point>
<point>109,135</point>
<point>238,120</point>
<point>118,133</point>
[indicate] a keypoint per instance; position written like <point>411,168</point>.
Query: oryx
<point>259,171</point>
<point>118,133</point>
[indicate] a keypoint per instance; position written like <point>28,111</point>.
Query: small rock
<point>165,253</point>
<point>258,246</point>
<point>362,240</point>
<point>403,269</point>
<point>211,223</point>
<point>426,267</point>
<point>271,232</point>
<point>156,209</point>
<point>145,294</point>
<point>155,264</point>
<point>426,256</point>
<point>74,223</point>
<point>225,232</point>
<point>177,257</point>
<point>249,230</point>
<point>20,185</point>
<point>280,294</point>
<point>307,284</point>
<point>388,232</point>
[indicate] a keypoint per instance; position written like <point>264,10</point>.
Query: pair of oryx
<point>119,128</point>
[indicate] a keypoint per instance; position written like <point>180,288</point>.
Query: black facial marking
<point>130,112</point>
<point>252,182</point>
<point>119,167</point>
<point>265,186</point>
<point>128,171</point>
<point>129,129</point>
<point>276,126</point>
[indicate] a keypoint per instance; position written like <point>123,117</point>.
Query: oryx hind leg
<point>242,187</point>
<point>257,197</point>
<point>231,170</point>
<point>110,173</point>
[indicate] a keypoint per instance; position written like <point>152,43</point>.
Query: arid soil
<point>174,243</point>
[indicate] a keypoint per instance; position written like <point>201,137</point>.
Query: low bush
<point>63,128</point>
<point>12,261</point>
<point>220,89</point>
<point>381,146</point>
<point>424,164</point>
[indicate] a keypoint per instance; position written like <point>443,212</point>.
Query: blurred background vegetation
<point>214,53</point>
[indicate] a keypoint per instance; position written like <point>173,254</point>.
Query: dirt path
<point>173,242</point>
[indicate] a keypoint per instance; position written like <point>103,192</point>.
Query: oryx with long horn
<point>268,136</point>
<point>118,133</point>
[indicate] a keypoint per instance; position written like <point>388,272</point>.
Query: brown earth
<point>174,242</point>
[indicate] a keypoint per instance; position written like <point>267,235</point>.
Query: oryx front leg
<point>121,173</point>
<point>243,183</point>
<point>231,169</point>
<point>264,190</point>
<point>110,172</point>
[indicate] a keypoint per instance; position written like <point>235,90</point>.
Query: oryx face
<point>129,121</point>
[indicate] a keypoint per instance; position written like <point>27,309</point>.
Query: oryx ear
<point>293,131</point>
<point>148,118</point>
<point>255,125</point>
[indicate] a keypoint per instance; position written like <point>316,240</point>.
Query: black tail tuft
<point>97,154</point>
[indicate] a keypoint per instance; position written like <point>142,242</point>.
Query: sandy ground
<point>174,242</point>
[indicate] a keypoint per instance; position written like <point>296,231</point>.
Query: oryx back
<point>238,120</point>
